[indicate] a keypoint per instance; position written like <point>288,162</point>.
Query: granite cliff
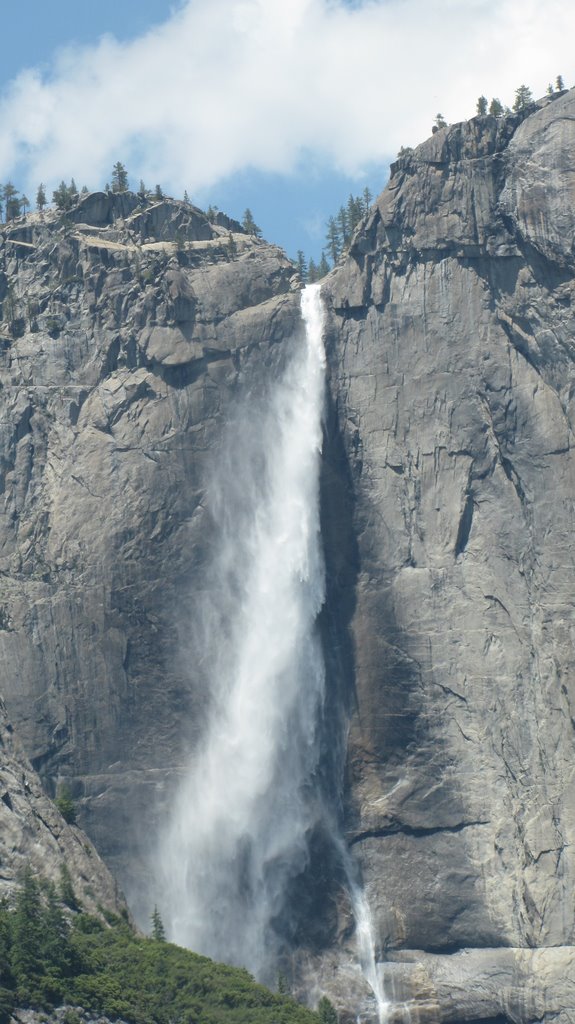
<point>128,334</point>
<point>34,835</point>
<point>128,331</point>
<point>451,348</point>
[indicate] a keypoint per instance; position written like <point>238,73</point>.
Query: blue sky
<point>285,106</point>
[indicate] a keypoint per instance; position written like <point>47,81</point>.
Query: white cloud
<point>228,84</point>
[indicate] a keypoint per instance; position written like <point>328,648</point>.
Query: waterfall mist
<point>238,829</point>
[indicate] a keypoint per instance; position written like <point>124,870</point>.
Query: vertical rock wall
<point>451,346</point>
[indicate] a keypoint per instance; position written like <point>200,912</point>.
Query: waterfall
<point>240,824</point>
<point>366,949</point>
<point>239,827</point>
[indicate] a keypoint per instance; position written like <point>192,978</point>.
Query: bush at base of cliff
<point>51,957</point>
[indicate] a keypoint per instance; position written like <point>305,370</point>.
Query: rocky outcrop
<point>34,835</point>
<point>448,494</point>
<point>128,334</point>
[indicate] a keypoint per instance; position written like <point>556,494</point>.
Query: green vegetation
<point>326,1011</point>
<point>12,203</point>
<point>158,931</point>
<point>439,122</point>
<point>339,232</point>
<point>52,955</point>
<point>523,98</point>
<point>65,196</point>
<point>249,225</point>
<point>65,805</point>
<point>119,178</point>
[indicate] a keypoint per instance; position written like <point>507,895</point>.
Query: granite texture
<point>451,350</point>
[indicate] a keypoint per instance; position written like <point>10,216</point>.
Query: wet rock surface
<point>449,511</point>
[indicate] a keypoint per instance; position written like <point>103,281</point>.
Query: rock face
<point>34,834</point>
<point>128,334</point>
<point>449,514</point>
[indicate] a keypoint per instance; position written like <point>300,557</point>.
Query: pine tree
<point>142,192</point>
<point>119,178</point>
<point>56,949</point>
<point>65,805</point>
<point>550,89</point>
<point>158,930</point>
<point>40,197</point>
<point>25,203</point>
<point>63,197</point>
<point>5,946</point>
<point>301,265</point>
<point>311,271</point>
<point>559,83</point>
<point>11,201</point>
<point>343,227</point>
<point>249,225</point>
<point>158,194</point>
<point>481,107</point>
<point>323,267</point>
<point>496,107</point>
<point>354,214</point>
<point>187,199</point>
<point>26,955</point>
<point>523,97</point>
<point>327,1012</point>
<point>333,239</point>
<point>367,197</point>
<point>440,121</point>
<point>66,889</point>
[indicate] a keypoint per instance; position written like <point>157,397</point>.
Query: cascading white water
<point>366,950</point>
<point>238,829</point>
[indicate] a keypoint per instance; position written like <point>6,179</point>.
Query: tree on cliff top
<point>65,196</point>
<point>11,201</point>
<point>119,178</point>
<point>523,97</point>
<point>40,197</point>
<point>249,225</point>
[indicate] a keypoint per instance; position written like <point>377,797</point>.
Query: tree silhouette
<point>249,225</point>
<point>119,178</point>
<point>523,97</point>
<point>158,930</point>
